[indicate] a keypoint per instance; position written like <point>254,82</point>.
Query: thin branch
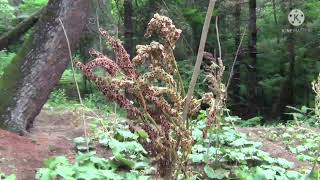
<point>196,71</point>
<point>72,62</point>
<point>77,86</point>
<point>218,37</point>
<point>235,60</point>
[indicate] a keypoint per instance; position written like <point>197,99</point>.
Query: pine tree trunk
<point>253,56</point>
<point>236,78</point>
<point>27,82</point>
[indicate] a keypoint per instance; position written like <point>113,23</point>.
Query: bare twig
<point>218,37</point>
<point>76,83</point>
<point>196,71</point>
<point>235,60</point>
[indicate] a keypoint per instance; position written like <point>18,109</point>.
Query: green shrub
<point>6,16</point>
<point>31,6</point>
<point>5,59</point>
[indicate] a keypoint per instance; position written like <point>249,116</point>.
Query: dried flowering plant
<point>157,95</point>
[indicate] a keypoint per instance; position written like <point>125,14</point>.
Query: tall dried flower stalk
<point>158,97</point>
<point>316,89</point>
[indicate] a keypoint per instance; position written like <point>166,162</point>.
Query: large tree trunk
<point>128,26</point>
<point>236,78</point>
<point>27,82</point>
<point>15,34</point>
<point>253,55</point>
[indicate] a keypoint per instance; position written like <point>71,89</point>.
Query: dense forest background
<point>254,113</point>
<point>275,65</point>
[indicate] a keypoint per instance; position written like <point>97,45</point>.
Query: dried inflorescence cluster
<point>157,94</point>
<point>217,91</point>
<point>164,26</point>
<point>316,89</point>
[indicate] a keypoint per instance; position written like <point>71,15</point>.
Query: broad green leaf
<point>293,175</point>
<point>53,162</point>
<point>284,163</point>
<point>197,134</point>
<point>43,174</point>
<point>64,171</point>
<point>215,174</point>
<point>126,134</point>
<point>197,158</point>
<point>124,161</point>
<point>142,134</point>
<point>11,177</point>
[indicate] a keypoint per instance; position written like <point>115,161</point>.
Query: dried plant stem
<point>196,70</point>
<point>218,37</point>
<point>76,83</point>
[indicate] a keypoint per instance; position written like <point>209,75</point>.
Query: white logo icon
<point>296,17</point>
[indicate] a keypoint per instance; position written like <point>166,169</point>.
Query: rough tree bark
<point>15,34</point>
<point>34,72</point>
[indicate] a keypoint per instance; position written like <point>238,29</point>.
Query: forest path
<point>51,135</point>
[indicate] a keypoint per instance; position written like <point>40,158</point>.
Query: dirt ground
<point>52,135</point>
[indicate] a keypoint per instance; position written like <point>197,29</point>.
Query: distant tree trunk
<point>236,78</point>
<point>253,56</point>
<point>15,34</point>
<point>286,95</point>
<point>275,17</point>
<point>287,89</point>
<point>101,14</point>
<point>128,26</point>
<point>15,2</point>
<point>27,82</point>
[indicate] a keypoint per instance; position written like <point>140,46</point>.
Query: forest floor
<point>53,133</point>
<point>276,148</point>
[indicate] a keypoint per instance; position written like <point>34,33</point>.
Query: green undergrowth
<point>224,154</point>
<point>303,142</point>
<point>4,177</point>
<point>128,159</point>
<point>227,154</point>
<point>5,59</point>
<point>93,102</point>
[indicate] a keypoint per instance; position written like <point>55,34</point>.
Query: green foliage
<point>304,116</point>
<point>227,154</point>
<point>6,16</point>
<point>10,177</point>
<point>31,6</point>
<point>184,67</point>
<point>58,98</point>
<point>266,172</point>
<point>126,153</point>
<point>5,59</point>
<point>93,102</point>
<point>304,142</point>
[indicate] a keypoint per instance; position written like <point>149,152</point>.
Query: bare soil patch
<point>51,135</point>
